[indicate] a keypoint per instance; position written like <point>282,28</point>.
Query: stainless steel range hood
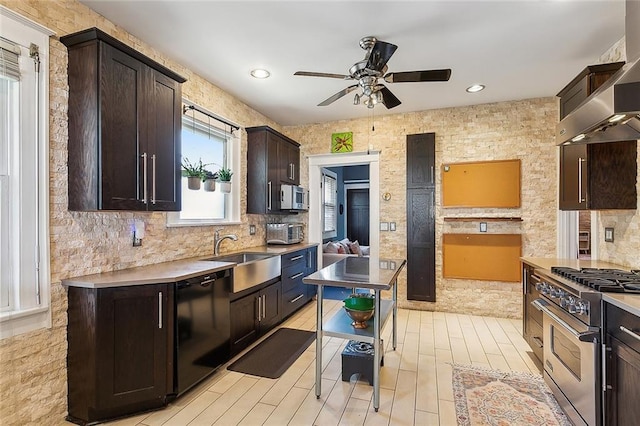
<point>611,113</point>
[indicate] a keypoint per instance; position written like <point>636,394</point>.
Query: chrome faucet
<point>217,239</point>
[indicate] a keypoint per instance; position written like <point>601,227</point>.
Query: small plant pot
<point>193,182</point>
<point>210,185</point>
<point>225,187</point>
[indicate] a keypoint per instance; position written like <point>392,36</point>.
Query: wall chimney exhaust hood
<point>612,112</point>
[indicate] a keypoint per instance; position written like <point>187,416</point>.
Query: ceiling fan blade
<point>380,54</point>
<point>338,95</point>
<point>417,76</point>
<point>322,74</point>
<point>388,99</point>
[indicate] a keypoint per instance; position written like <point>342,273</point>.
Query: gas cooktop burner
<point>605,280</point>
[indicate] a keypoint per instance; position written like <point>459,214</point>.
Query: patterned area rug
<point>490,397</point>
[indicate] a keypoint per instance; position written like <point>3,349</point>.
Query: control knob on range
<point>571,305</point>
<point>565,301</point>
<point>582,307</point>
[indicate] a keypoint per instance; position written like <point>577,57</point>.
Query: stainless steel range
<point>571,304</point>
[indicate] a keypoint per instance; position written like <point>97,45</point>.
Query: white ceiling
<point>518,49</point>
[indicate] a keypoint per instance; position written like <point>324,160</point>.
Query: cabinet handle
<point>269,195</point>
<point>293,259</point>
<point>629,332</point>
<point>259,308</point>
<point>160,310</point>
<point>153,179</point>
<point>144,177</point>
<point>538,342</point>
<point>297,298</point>
<point>580,199</point>
<point>264,306</point>
<point>296,276</point>
<point>293,171</point>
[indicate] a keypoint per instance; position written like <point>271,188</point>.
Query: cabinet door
<point>573,177</point>
<point>271,310</point>
<point>121,130</point>
<point>273,174</point>
<point>244,322</point>
<point>163,145</point>
<point>289,165</point>
<point>612,171</point>
<point>623,377</point>
<point>132,347</point>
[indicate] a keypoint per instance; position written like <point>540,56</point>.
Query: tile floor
<point>415,380</point>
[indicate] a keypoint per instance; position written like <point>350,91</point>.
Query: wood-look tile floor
<point>415,380</point>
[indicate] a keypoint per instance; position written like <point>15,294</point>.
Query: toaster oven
<point>284,233</point>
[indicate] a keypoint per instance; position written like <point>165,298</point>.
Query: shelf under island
<point>365,273</point>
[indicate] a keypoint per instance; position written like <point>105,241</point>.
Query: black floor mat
<point>272,357</point>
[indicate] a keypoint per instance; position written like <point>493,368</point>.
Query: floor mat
<point>272,357</point>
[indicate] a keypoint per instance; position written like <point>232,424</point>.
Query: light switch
<point>483,226</point>
<point>608,235</point>
<point>252,230</point>
<point>392,226</point>
<point>384,226</point>
<point>138,232</point>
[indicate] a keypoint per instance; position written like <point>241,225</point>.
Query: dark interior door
<point>421,248</point>
<point>358,215</point>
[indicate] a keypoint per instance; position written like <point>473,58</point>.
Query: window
<point>329,204</point>
<point>24,175</point>
<point>207,140</point>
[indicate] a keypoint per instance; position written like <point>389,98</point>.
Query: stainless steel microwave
<point>294,197</point>
<point>284,233</point>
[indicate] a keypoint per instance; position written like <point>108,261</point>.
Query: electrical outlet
<point>252,230</point>
<point>392,226</point>
<point>138,232</point>
<point>608,235</point>
<point>483,226</point>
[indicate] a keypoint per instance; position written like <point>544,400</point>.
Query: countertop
<point>360,272</point>
<point>167,272</point>
<point>628,302</point>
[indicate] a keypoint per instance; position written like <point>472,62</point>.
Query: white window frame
<point>30,302</point>
<point>330,233</point>
<point>232,206</point>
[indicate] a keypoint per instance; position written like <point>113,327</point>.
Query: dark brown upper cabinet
<point>124,127</point>
<point>584,84</point>
<point>273,159</point>
<point>599,176</point>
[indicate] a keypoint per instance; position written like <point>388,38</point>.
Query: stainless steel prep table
<point>358,272</point>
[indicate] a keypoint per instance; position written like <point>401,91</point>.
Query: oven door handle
<point>587,336</point>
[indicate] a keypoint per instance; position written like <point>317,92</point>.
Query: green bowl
<point>359,302</point>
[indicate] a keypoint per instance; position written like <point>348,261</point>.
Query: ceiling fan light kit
<point>372,68</point>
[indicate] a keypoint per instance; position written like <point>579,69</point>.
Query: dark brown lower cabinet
<point>255,314</point>
<point>120,355</point>
<point>622,367</point>
<point>531,317</point>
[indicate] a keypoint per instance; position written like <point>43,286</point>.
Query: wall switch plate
<point>608,235</point>
<point>483,226</point>
<point>138,232</point>
<point>384,226</point>
<point>392,226</point>
<point>252,230</point>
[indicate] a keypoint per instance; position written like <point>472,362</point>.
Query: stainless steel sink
<point>252,269</point>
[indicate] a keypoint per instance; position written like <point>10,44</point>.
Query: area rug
<point>490,397</point>
<point>273,356</point>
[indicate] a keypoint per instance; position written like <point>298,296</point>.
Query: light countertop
<point>628,302</point>
<point>173,271</point>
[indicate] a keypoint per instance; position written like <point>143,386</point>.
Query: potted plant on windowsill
<point>209,179</point>
<point>194,172</point>
<point>224,179</point>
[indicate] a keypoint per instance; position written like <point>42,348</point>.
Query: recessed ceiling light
<point>617,117</point>
<point>475,88</point>
<point>579,137</point>
<point>260,73</point>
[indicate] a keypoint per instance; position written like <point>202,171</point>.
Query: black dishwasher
<point>202,327</point>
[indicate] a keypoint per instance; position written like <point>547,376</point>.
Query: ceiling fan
<point>372,68</point>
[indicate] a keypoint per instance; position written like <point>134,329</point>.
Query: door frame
<point>319,161</point>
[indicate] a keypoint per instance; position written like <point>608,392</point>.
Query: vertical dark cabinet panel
<point>421,279</point>
<point>124,127</point>
<point>573,177</point>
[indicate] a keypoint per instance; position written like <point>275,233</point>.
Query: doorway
<point>316,163</point>
<point>357,213</point>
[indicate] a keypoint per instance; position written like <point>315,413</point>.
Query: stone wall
<point>509,130</point>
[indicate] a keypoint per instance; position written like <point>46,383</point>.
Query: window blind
<point>330,202</point>
<point>9,55</point>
